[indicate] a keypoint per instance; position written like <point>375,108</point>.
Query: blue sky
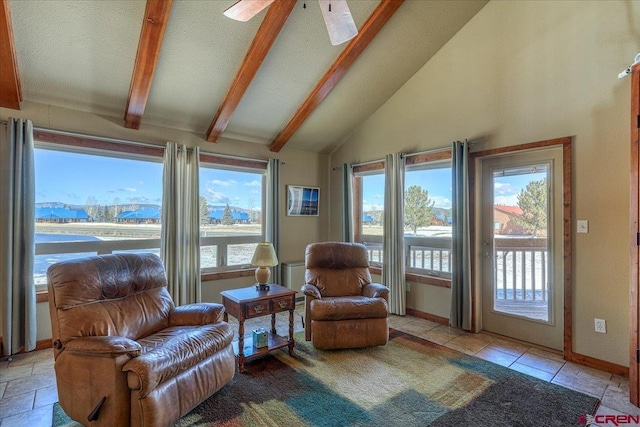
<point>236,188</point>
<point>506,189</point>
<point>73,178</point>
<point>438,183</point>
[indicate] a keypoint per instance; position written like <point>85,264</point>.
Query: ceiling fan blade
<point>339,21</point>
<point>244,10</point>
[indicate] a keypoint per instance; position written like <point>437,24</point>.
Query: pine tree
<point>533,202</point>
<point>204,211</point>
<point>107,216</point>
<point>227,216</point>
<point>99,215</point>
<point>418,208</point>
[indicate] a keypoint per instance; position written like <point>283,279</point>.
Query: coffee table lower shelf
<point>274,342</point>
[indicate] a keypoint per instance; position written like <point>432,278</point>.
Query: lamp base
<point>262,278</point>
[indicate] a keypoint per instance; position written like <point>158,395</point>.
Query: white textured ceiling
<point>80,54</point>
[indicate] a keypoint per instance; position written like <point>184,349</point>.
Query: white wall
<point>299,168</point>
<point>525,71</point>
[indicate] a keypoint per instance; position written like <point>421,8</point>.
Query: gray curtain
<point>17,246</point>
<point>180,243</point>
<point>460,316</point>
<point>393,246</point>
<point>272,217</point>
<point>347,194</point>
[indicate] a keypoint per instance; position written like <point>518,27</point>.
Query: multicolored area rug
<point>408,382</point>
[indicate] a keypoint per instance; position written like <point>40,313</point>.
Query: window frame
<point>416,162</point>
<point>359,171</point>
<point>86,145</point>
<point>221,270</point>
<point>90,144</point>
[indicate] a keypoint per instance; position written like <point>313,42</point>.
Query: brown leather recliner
<point>119,339</point>
<point>343,308</point>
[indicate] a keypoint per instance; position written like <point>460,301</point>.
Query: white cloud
<point>510,200</point>
<point>504,188</point>
<point>441,202</point>
<point>368,206</point>
<point>220,183</point>
<point>254,183</point>
<point>141,199</point>
<point>216,197</point>
<point>123,190</point>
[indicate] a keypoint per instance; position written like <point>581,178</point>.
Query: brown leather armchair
<point>124,354</point>
<point>343,308</point>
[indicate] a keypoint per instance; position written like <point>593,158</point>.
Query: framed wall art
<point>302,201</point>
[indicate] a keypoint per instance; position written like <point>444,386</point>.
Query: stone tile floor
<point>28,391</point>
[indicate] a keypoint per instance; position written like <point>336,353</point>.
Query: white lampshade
<point>265,255</point>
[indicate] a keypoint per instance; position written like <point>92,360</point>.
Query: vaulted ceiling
<point>274,80</point>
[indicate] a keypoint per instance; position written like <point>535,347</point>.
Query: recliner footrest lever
<point>93,415</point>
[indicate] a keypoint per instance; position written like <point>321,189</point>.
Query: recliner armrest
<point>109,346</point>
<point>375,290</point>
<point>311,290</point>
<point>196,314</point>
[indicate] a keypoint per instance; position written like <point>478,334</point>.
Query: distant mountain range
<point>121,206</point>
<point>442,212</point>
<point>134,206</point>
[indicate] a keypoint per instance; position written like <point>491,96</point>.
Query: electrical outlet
<point>408,287</point>
<point>601,325</point>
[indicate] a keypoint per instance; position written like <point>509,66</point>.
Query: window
<point>90,203</point>
<point>232,206</point>
<point>369,209</point>
<point>427,215</point>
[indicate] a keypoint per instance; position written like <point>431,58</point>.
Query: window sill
<point>42,296</point>
<point>428,280</point>
<point>418,278</point>
<point>227,274</point>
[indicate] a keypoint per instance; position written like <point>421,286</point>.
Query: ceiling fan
<point>336,14</point>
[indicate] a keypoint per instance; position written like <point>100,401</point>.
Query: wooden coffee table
<point>248,303</point>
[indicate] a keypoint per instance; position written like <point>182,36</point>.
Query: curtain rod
<point>367,163</point>
<point>96,137</point>
<point>230,156</point>
<point>89,136</point>
<point>129,141</point>
<point>434,150</point>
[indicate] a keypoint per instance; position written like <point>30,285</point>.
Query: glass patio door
<point>521,246</point>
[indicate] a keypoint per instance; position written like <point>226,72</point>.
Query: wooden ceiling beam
<point>156,17</point>
<point>271,26</point>
<point>10,89</point>
<point>356,46</point>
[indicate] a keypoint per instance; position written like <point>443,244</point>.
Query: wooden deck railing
<point>220,252</point>
<point>520,267</point>
<point>520,264</point>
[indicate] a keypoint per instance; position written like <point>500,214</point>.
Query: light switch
<point>583,226</point>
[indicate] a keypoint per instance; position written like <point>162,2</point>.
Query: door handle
<point>486,255</point>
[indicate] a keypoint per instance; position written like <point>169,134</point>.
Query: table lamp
<point>264,257</point>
